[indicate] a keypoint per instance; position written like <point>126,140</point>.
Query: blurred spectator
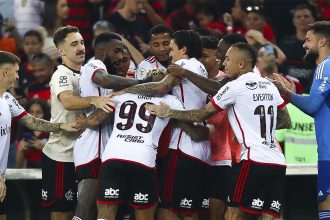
<point>8,43</point>
<point>207,16</point>
<point>129,23</point>
<point>32,44</point>
<point>153,10</point>
<point>31,142</point>
<point>55,15</point>
<point>185,18</point>
<point>323,8</point>
<point>267,65</point>
<point>257,40</point>
<point>256,20</point>
<point>159,40</point>
<point>299,141</point>
<point>43,69</point>
<point>28,14</point>
<point>292,46</point>
<point>102,26</point>
<point>236,22</point>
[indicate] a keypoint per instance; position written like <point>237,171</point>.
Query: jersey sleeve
<point>61,82</point>
<point>226,96</point>
<point>93,66</point>
<point>174,102</point>
<point>321,83</point>
<point>16,110</point>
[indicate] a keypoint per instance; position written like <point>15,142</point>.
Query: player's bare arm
<point>207,85</point>
<point>196,132</point>
<point>105,80</point>
<point>96,118</point>
<point>154,88</point>
<point>71,101</point>
<point>283,119</point>
<point>196,115</point>
<point>38,124</point>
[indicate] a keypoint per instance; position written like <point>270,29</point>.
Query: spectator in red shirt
<point>185,18</point>
<point>43,69</point>
<point>207,16</point>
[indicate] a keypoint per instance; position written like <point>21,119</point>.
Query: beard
<point>110,66</point>
<point>311,57</point>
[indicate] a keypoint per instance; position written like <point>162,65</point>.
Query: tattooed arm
<point>196,115</point>
<point>154,88</point>
<point>196,132</point>
<point>106,80</point>
<point>38,124</point>
<point>283,119</point>
<point>97,117</point>
<point>207,85</point>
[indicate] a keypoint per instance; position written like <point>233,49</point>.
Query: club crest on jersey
<point>252,85</point>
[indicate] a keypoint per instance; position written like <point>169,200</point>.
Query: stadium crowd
<point>161,93</point>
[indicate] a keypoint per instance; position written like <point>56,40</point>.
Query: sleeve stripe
<point>18,117</point>
<point>279,107</point>
<point>215,105</point>
<point>93,74</point>
<point>320,70</point>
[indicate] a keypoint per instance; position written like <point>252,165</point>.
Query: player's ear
<point>61,51</point>
<point>241,64</point>
<point>322,42</point>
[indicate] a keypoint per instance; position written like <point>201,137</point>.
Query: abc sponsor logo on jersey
<point>141,198</point>
<point>218,97</point>
<point>276,206</point>
<point>323,84</point>
<point>252,85</point>
<point>111,193</point>
<point>44,195</point>
<point>131,138</point>
<point>257,203</point>
<point>186,203</point>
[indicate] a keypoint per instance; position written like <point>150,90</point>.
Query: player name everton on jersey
<point>263,97</point>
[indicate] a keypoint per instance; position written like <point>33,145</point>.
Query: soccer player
<point>58,171</point>
<point>89,146</point>
<point>258,180</point>
<point>317,46</point>
<point>182,189</point>
<point>11,109</point>
<point>159,41</point>
<point>128,161</point>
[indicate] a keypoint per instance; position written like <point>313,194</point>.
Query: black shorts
<point>183,186</point>
<point>219,181</point>
<point>122,182</point>
<point>89,170</point>
<point>3,206</point>
<point>257,188</point>
<point>59,187</point>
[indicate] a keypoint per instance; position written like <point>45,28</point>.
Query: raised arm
<point>154,88</point>
<point>106,80</point>
<point>196,115</point>
<point>207,85</point>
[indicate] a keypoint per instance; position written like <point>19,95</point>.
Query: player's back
<point>252,103</point>
<point>136,133</point>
